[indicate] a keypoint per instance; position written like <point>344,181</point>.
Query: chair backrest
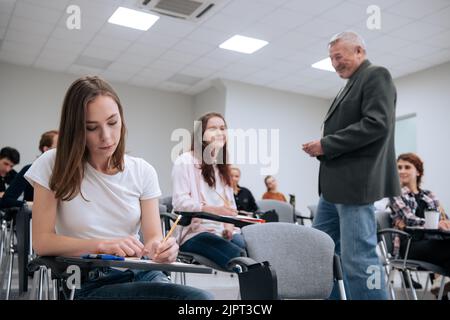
<point>285,211</point>
<point>167,201</point>
<point>302,258</point>
<point>312,209</point>
<point>383,218</point>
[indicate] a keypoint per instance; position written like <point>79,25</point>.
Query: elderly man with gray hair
<point>357,164</point>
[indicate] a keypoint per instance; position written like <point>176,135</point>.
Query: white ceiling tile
<point>437,58</point>
<point>24,37</point>
<point>224,22</point>
<point>83,36</point>
<point>180,57</point>
<point>390,60</point>
<point>7,6</point>
<point>193,47</point>
<point>209,63</point>
<point>173,27</point>
<point>172,87</point>
<point>382,4</point>
<point>163,65</point>
<point>441,40</point>
<point>239,70</point>
<point>264,76</point>
<point>66,46</point>
<point>120,32</point>
<point>4,19</point>
<point>250,10</point>
<point>346,13</point>
<point>155,74</point>
<point>416,50</point>
<point>417,31</point>
<point>417,8</point>
<point>135,59</point>
<point>29,26</point>
<point>209,36</point>
<point>111,42</point>
<point>142,81</point>
<point>389,22</point>
<point>199,87</point>
<point>51,4</point>
<point>145,50</point>
<point>152,38</point>
<point>37,13</point>
<point>319,27</point>
<point>439,18</point>
<point>101,52</point>
<point>387,43</point>
<point>124,68</point>
<point>312,7</point>
<point>264,31</point>
<point>197,71</point>
<point>286,18</point>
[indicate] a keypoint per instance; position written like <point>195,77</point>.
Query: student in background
<point>9,157</point>
<point>20,185</point>
<point>409,208</point>
<point>90,197</point>
<point>272,190</point>
<point>201,182</point>
<point>242,196</point>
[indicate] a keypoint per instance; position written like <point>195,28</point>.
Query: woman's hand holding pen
<point>124,247</point>
<point>162,251</point>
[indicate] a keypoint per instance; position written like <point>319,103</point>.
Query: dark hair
<point>206,167</point>
<point>47,139</point>
<point>71,152</point>
<point>265,181</point>
<point>10,153</point>
<point>416,162</point>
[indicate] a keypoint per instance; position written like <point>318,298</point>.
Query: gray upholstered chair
<point>285,211</point>
<point>302,259</point>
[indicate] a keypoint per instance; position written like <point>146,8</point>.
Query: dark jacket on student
<point>245,200</point>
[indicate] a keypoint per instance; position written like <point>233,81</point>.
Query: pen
<point>103,257</point>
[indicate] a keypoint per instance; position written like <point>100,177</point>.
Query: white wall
<point>210,100</point>
<point>298,119</point>
<point>427,93</point>
<point>31,100</point>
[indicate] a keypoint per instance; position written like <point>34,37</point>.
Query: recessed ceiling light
<point>324,64</point>
<point>243,44</point>
<point>133,19</point>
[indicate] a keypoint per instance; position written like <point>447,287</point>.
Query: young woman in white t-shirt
<point>90,197</point>
<point>201,181</point>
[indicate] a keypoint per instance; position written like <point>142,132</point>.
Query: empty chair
<point>285,211</point>
<point>302,258</point>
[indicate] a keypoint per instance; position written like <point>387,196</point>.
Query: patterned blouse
<point>404,207</point>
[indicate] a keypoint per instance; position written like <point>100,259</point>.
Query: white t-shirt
<point>113,208</point>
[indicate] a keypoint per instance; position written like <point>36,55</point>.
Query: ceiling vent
<point>184,9</point>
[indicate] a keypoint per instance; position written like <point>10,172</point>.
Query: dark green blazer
<point>359,164</point>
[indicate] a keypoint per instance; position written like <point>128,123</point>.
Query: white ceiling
<point>414,35</point>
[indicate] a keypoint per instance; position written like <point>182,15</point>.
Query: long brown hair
<point>416,162</point>
<point>222,156</point>
<point>71,152</point>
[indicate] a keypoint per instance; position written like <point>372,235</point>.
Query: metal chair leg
<point>42,270</point>
<point>72,293</point>
<point>390,284</point>
<point>405,291</point>
<point>441,289</point>
<point>413,290</point>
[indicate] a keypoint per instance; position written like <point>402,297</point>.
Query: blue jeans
<point>215,248</point>
<point>353,229</point>
<point>114,284</point>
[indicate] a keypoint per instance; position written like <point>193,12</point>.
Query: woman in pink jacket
<point>202,182</point>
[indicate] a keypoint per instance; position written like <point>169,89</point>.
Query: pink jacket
<point>187,194</point>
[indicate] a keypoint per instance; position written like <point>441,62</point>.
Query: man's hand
<point>313,148</point>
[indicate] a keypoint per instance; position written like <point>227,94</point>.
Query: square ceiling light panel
<point>243,44</point>
<point>133,19</point>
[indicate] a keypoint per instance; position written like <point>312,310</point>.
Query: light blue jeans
<point>353,229</point>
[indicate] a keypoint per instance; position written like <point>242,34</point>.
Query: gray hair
<point>350,37</point>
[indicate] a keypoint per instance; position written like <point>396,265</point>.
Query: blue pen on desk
<point>103,257</point>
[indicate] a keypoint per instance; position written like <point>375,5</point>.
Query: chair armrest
<point>245,263</point>
<point>168,215</point>
<point>394,231</point>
